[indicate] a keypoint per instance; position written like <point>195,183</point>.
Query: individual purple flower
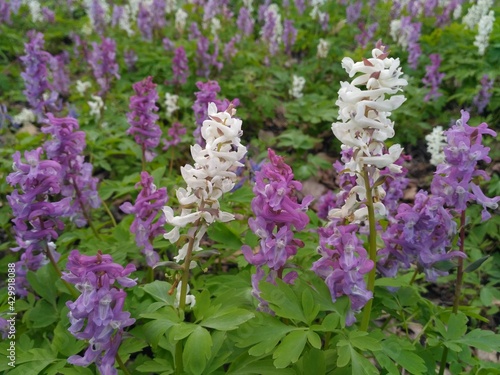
<point>5,13</point>
<point>35,75</point>
<point>483,97</point>
<point>48,15</point>
<point>325,203</point>
<point>353,11</point>
<point>367,33</point>
<point>102,59</point>
<point>66,148</point>
<point>144,22</point>
<point>36,216</point>
<point>245,22</point>
<point>15,5</point>
<point>158,10</point>
<point>194,31</point>
<point>4,328</point>
<point>230,48</point>
<point>97,315</point>
<point>180,66</point>
<point>131,59</point>
<point>205,60</point>
<point>277,211</point>
<point>289,35</point>
<point>433,77</point>
<point>168,45</point>
<point>412,31</point>
<point>148,205</point>
<point>116,15</point>
<point>455,179</point>
<point>421,233</point>
<point>142,118</point>
<point>343,264</point>
<point>300,5</point>
<point>60,76</point>
<point>97,15</point>
<point>174,132</point>
<point>272,29</point>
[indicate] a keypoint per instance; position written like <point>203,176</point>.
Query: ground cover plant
<point>243,187</point>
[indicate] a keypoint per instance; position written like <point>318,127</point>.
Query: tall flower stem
<point>71,290</point>
<point>372,250</point>
<point>458,286</point>
<point>121,364</point>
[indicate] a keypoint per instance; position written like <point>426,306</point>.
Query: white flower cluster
<point>316,14</point>
<point>35,10</point>
<point>298,84</point>
<point>249,5</point>
<point>364,124</point>
<point>190,299</point>
<point>435,145</point>
<point>278,27</point>
<point>27,116</point>
<point>180,20</point>
<point>476,12</point>
<point>485,27</point>
<point>323,48</point>
<point>89,6</point>
<point>171,103</point>
<point>126,19</point>
<point>96,106</point>
<point>82,86</point>
<point>170,6</point>
<point>208,179</point>
<point>215,26</point>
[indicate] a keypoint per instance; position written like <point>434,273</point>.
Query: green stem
<point>71,289</point>
<point>414,277</point>
<point>106,208</point>
<point>179,366</point>
<point>458,286</point>
<point>150,276</point>
<point>121,364</point>
<point>365,321</point>
<point>185,271</point>
<point>143,161</point>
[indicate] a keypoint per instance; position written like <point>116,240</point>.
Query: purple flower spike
<point>277,210</point>
<point>142,119</point>
<point>102,59</point>
<point>432,77</point>
<point>148,204</point>
<point>454,180</point>
<point>97,315</point>
<point>245,22</point>
<point>36,218</point>
<point>483,97</point>
<point>289,36</point>
<point>180,66</point>
<point>175,132</point>
<point>66,148</point>
<point>35,75</point>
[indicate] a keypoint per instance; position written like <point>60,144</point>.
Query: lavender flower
<point>97,315</point>
<point>35,75</point>
<point>148,204</point>
<point>455,179</point>
<point>206,60</point>
<point>289,35</point>
<point>421,234</point>
<point>483,97</point>
<point>48,15</point>
<point>301,6</point>
<point>102,59</point>
<point>36,217</point>
<point>175,132</point>
<point>276,211</point>
<point>272,29</point>
<point>343,263</point>
<point>142,118</point>
<point>130,58</point>
<point>5,12</point>
<point>180,66</point>
<point>433,78</point>
<point>168,45</point>
<point>353,11</point>
<point>245,22</point>
<point>158,10</point>
<point>194,31</point>
<point>60,77</point>
<point>367,33</point>
<point>230,48</point>
<point>66,148</point>
<point>144,22</point>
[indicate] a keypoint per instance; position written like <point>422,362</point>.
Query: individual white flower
<point>476,12</point>
<point>96,106</point>
<point>323,48</point>
<point>278,27</point>
<point>35,11</point>
<point>87,29</point>
<point>27,116</point>
<point>124,23</point>
<point>298,84</point>
<point>215,26</point>
<point>171,103</point>
<point>82,86</point>
<point>180,20</point>
<point>248,4</point>
<point>435,145</point>
<point>208,179</point>
<point>170,6</point>
<point>315,12</point>
<point>190,299</point>
<point>485,27</point>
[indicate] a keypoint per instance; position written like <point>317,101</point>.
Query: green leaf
<point>483,340</point>
<point>282,300</point>
<point>308,306</point>
<point>475,265</point>
<point>159,291</point>
<point>362,341</point>
<point>457,326</point>
<point>344,354</point>
<point>43,283</point>
<point>183,330</point>
<point>314,362</point>
<point>290,349</point>
<point>386,363</point>
<point>221,232</point>
<point>360,365</point>
<point>197,350</point>
<point>227,320</point>
<point>400,351</point>
<point>314,339</point>
<point>157,366</point>
<point>43,314</point>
